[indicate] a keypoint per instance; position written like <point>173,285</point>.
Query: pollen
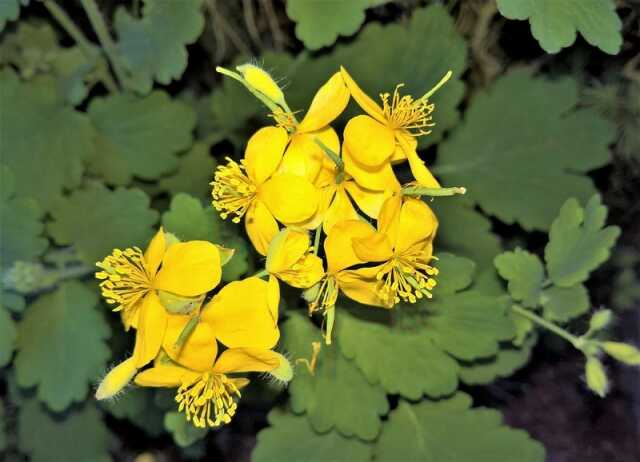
<point>403,112</point>
<point>284,119</point>
<point>125,279</point>
<point>233,191</point>
<point>407,277</point>
<point>325,296</point>
<point>208,401</point>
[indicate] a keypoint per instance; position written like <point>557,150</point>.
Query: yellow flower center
<point>233,191</point>
<point>207,398</point>
<point>325,295</point>
<point>403,112</point>
<point>284,119</point>
<point>406,277</point>
<point>125,278</point>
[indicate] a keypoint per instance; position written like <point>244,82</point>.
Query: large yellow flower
<point>291,259</point>
<point>131,281</point>
<point>253,189</point>
<point>403,245</point>
<point>240,317</point>
<point>386,135</point>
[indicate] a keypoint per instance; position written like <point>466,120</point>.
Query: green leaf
<point>96,220</point>
<point>467,325</point>
<point>524,137</point>
<point>338,395</point>
<point>579,242</point>
<point>525,274</point>
<point>21,218</point>
<point>195,172</point>
<point>320,23</point>
<point>554,23</point>
<point>139,136</point>
<point>184,432</point>
<point>10,10</point>
<point>77,435</point>
<point>402,362</point>
<point>562,304</point>
<point>508,360</point>
<point>62,141</point>
<point>292,435</point>
<point>8,336</point>
<point>61,345</point>
<point>137,405</point>
<point>465,232</point>
<point>154,46</point>
<point>449,430</point>
<point>455,273</point>
<point>189,220</point>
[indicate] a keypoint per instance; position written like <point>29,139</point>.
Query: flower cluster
<point>203,346</point>
<point>297,179</point>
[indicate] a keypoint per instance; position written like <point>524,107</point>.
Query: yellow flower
<point>254,189</point>
<point>403,244</point>
<point>241,318</point>
<point>291,259</point>
<point>386,135</point>
<point>131,281</point>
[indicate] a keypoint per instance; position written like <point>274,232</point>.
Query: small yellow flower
<point>291,259</point>
<point>403,245</point>
<point>242,318</point>
<point>131,281</point>
<point>254,189</point>
<point>386,135</point>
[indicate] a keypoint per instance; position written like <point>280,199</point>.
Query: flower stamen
<point>233,191</point>
<point>407,277</point>
<point>403,112</point>
<point>208,401</point>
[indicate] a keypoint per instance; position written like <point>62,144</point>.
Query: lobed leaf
<point>10,10</point>
<point>61,345</point>
<point>525,274</point>
<point>562,304</point>
<point>194,173</point>
<point>8,337</point>
<point>184,432</point>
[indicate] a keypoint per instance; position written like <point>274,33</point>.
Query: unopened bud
<point>600,320</point>
<point>118,378</point>
<point>596,376</point>
<point>260,80</point>
<point>284,371</point>
<point>623,352</point>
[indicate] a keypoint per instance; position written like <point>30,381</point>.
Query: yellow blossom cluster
<point>297,179</point>
<point>201,346</point>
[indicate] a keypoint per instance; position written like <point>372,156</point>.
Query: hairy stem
<point>575,341</point>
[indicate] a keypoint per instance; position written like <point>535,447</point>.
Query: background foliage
<point>112,121</point>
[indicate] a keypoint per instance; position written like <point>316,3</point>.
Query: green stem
<point>316,240</point>
<point>422,191</point>
<point>186,332</point>
<point>108,45</point>
<point>261,273</point>
<point>575,341</point>
<point>76,34</point>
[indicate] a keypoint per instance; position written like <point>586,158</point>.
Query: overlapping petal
<point>189,268</point>
<point>264,153</point>
<point>327,104</point>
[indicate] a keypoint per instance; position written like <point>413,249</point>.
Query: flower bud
<point>596,376</point>
<point>284,371</point>
<point>600,320</point>
<point>260,80</point>
<point>118,378</point>
<point>623,352</point>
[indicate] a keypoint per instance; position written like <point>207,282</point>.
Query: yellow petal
<point>304,157</point>
<point>306,272</point>
<point>341,209</point>
<point>367,200</point>
<point>200,349</point>
<point>418,168</point>
<point>379,178</point>
<point>264,153</point>
<point>328,103</point>
<point>273,298</point>
<point>151,328</point>
<point>117,378</point>
<point>190,268</point>
<point>246,360</point>
<point>240,315</point>
<point>368,141</point>
<point>154,253</point>
<point>286,248</point>
<point>165,376</point>
<point>417,222</point>
<point>360,285</point>
<point>261,226</point>
<point>389,217</point>
<point>338,246</point>
<point>364,101</point>
<point>373,248</point>
<point>291,199</point>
